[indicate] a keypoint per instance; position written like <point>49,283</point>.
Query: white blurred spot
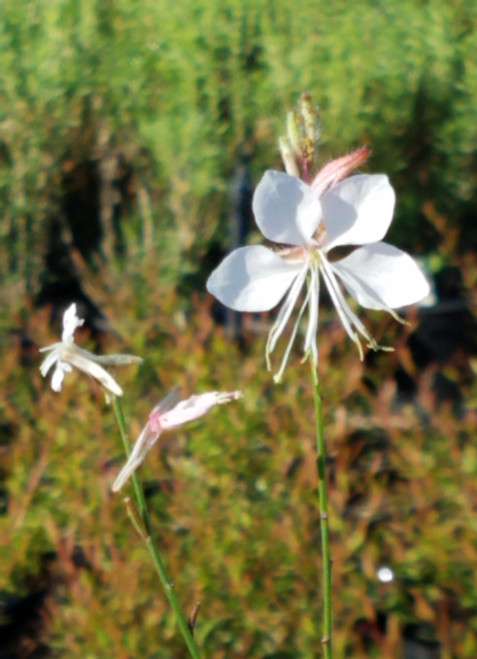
<point>385,574</point>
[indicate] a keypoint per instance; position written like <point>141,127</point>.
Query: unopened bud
<point>293,132</point>
<point>135,518</point>
<point>310,118</point>
<point>298,147</point>
<point>288,157</point>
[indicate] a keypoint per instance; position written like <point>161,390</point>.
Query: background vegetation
<point>124,129</point>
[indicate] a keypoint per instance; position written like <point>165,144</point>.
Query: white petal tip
<point>234,395</point>
<point>115,391</point>
<point>120,480</point>
<point>124,475</point>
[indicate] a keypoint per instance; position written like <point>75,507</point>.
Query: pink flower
<point>170,413</point>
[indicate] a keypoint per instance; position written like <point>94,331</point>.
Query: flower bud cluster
<point>298,147</point>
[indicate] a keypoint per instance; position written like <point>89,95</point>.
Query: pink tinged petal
<point>70,323</point>
<point>358,210</point>
<point>286,210</point>
<point>169,414</point>
<point>195,407</point>
<point>163,406</point>
<point>143,445</point>
<point>381,276</point>
<point>338,169</point>
<point>252,279</point>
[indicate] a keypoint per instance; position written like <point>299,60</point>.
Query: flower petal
<point>77,359</point>
<point>143,445</point>
<point>286,210</point>
<point>114,360</point>
<point>381,276</point>
<point>337,169</point>
<point>58,375</point>
<point>193,408</point>
<point>166,404</point>
<point>358,210</point>
<point>166,415</point>
<point>50,359</point>
<point>252,279</point>
<point>70,323</point>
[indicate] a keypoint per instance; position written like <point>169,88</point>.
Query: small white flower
<point>311,220</point>
<point>66,354</point>
<point>170,413</point>
<point>385,574</point>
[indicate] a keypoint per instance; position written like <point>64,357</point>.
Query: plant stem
<point>151,544</point>
<point>324,521</point>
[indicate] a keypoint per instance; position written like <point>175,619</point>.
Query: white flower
<point>170,413</point>
<point>355,211</point>
<point>66,355</point>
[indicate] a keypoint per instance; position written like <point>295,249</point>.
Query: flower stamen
<point>284,314</point>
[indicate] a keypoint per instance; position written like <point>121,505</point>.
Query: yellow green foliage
<point>233,496</point>
<point>179,90</point>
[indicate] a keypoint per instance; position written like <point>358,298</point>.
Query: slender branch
<point>151,544</point>
<point>324,521</point>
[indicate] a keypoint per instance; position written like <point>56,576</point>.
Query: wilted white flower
<point>66,354</point>
<point>307,222</point>
<point>170,413</point>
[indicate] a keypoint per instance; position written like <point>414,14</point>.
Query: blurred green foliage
<point>179,91</point>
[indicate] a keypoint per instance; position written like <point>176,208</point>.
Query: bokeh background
<point>132,135</point>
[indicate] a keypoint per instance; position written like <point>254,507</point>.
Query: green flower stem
<point>151,544</point>
<point>324,521</point>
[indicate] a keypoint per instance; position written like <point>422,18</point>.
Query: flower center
<point>320,235</point>
<point>294,254</point>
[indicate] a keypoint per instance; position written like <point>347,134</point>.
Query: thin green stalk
<point>151,544</point>
<point>324,521</point>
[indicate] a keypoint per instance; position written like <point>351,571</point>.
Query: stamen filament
<point>341,306</point>
<point>284,314</point>
<point>278,377</point>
